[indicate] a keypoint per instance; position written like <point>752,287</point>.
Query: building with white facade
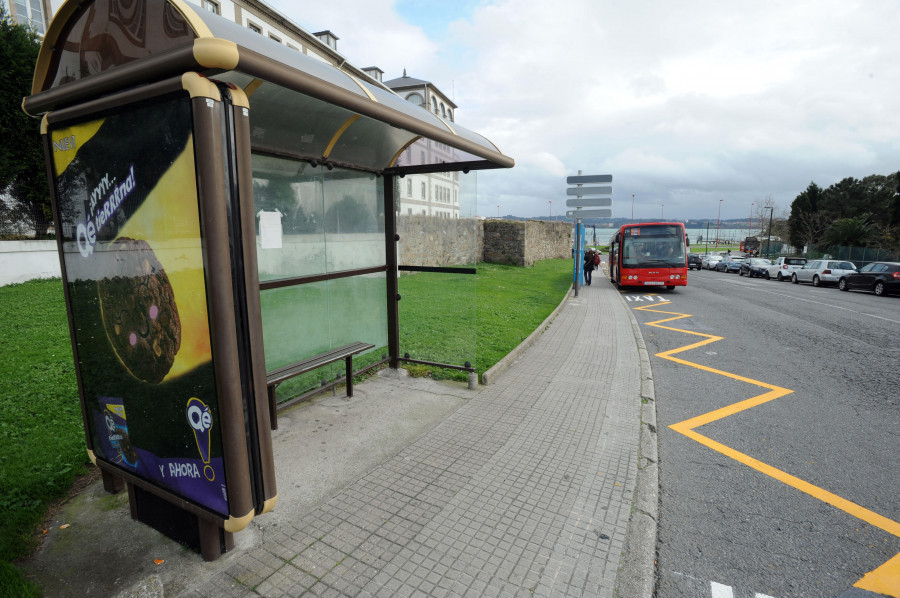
<point>33,13</point>
<point>434,194</point>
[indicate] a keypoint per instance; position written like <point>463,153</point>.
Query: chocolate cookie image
<point>139,311</point>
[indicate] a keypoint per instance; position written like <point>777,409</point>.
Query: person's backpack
<point>596,259</point>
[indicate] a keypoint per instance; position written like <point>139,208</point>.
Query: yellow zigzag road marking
<point>886,578</point>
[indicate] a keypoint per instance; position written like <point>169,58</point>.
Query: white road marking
<point>720,591</point>
<point>853,311</point>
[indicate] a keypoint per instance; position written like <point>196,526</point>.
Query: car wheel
<point>842,285</point>
<point>779,278</point>
<point>767,277</point>
<point>794,279</point>
<point>879,288</point>
<point>816,281</point>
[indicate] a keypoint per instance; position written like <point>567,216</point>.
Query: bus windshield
<point>653,246</point>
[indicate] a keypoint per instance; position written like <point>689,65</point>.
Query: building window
<point>416,98</point>
<point>275,38</point>
<point>212,7</point>
<point>409,188</point>
<point>434,105</point>
<point>409,211</point>
<point>423,190</point>
<point>443,110</point>
<point>254,27</point>
<point>450,114</point>
<point>29,14</point>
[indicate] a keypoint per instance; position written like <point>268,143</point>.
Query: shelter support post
<point>390,253</point>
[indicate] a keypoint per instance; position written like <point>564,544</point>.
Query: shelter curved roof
<point>300,106</point>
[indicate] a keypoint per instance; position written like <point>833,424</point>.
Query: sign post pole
<point>597,201</point>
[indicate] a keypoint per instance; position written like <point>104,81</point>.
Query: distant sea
<point>726,235</point>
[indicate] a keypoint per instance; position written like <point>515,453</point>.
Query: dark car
<point>755,266</point>
<point>694,261</point>
<point>882,278</point>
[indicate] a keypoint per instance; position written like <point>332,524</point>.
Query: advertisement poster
<point>127,197</point>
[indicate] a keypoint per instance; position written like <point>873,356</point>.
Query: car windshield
<point>795,261</point>
<point>759,262</point>
<point>841,265</point>
<point>653,246</point>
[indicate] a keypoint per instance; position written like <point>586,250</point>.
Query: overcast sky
<point>684,103</point>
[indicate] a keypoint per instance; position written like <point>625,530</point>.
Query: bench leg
<point>273,411</point>
<point>349,371</point>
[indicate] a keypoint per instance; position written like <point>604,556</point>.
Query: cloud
<point>684,103</point>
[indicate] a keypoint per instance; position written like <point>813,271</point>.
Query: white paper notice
<point>270,229</point>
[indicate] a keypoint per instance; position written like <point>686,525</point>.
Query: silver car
<point>821,272</point>
<point>709,261</point>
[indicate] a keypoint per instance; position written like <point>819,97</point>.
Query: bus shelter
<point>226,206</point>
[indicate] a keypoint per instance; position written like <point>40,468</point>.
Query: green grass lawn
<point>42,445</point>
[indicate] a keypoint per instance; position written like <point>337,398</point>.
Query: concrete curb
<point>490,376</point>
<point>637,575</point>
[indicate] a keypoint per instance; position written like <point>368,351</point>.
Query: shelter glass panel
<point>440,247</point>
<point>354,220</point>
<point>289,205</point>
<point>296,323</point>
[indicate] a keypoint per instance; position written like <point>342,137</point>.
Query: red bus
<point>649,254</point>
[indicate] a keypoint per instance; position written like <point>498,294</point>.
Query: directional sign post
<point>580,191</point>
<point>601,213</point>
<point>586,197</point>
<point>589,202</point>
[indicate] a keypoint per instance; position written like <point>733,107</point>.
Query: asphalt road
<point>797,492</point>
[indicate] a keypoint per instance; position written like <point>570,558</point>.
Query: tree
<point>852,232</point>
<point>808,228</point>
<point>803,206</point>
<point>23,175</point>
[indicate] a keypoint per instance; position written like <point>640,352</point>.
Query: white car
<point>783,268</point>
<point>709,261</point>
<point>820,272</point>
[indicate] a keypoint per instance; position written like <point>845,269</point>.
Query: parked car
<point>694,261</point>
<point>755,266</point>
<point>821,272</point>
<point>783,268</point>
<point>882,278</point>
<point>709,261</point>
<point>730,263</point>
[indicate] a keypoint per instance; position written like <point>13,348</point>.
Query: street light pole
<point>750,226</point>
<point>662,214</point>
<point>632,208</point>
<point>550,201</point>
<point>707,237</point>
<point>498,210</point>
<point>718,222</point>
<point>769,241</point>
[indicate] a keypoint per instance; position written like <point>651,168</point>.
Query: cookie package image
<point>139,311</point>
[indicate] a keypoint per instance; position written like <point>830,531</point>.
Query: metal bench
<point>276,377</point>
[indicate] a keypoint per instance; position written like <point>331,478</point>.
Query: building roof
<point>406,82</point>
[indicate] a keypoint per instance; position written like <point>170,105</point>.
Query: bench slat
<point>306,365</point>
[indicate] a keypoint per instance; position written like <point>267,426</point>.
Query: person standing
<point>588,266</point>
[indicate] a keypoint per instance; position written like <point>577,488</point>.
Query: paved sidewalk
<point>522,488</point>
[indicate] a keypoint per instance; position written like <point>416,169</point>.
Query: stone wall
<point>429,241</point>
<point>523,243</point>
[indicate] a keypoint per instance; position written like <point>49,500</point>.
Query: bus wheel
<point>670,287</point>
